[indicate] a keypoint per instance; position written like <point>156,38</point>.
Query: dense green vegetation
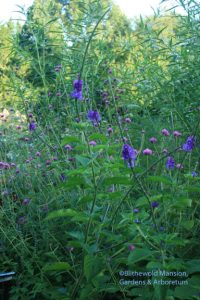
<point>99,153</point>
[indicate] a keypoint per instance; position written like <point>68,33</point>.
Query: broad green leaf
<point>138,255</point>
<point>117,180</point>
<point>83,160</point>
<point>61,213</point>
<point>92,266</point>
<point>58,266</point>
<point>193,188</point>
<point>185,292</point>
<point>188,224</point>
<point>98,136</point>
<point>182,202</point>
<point>163,179</point>
<point>69,139</point>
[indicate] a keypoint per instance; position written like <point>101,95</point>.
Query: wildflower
<point>179,166</point>
<point>58,68</point>
<point>154,204</point>
<point>153,140</point>
<point>165,132</point>
<point>165,151</point>
<point>170,163</point>
<point>147,152</point>
<point>38,154</point>
<point>137,221</point>
<point>48,162</point>
<point>129,154</point>
<point>94,117</point>
<point>190,144</point>
<point>177,133</point>
<point>19,127</point>
<point>58,94</point>
<point>21,220</point>
<point>161,228</point>
<point>30,115</point>
<point>110,130</point>
<point>26,201</point>
<point>194,174</point>
<point>32,126</point>
<point>127,120</point>
<point>68,147</point>
<point>136,210</point>
<point>62,177</point>
<point>131,247</point>
<point>49,94</point>
<point>92,143</point>
<point>77,92</point>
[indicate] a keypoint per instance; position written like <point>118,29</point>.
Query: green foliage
<point>74,216</point>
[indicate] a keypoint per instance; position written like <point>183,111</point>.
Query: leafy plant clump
<point>99,153</point>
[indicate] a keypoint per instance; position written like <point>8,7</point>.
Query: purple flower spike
<point>94,117</point>
<point>136,210</point>
<point>194,174</point>
<point>154,204</point>
<point>77,92</point>
<point>190,144</point>
<point>32,126</point>
<point>170,164</point>
<point>129,154</point>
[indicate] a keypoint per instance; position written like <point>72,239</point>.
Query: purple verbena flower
<point>129,154</point>
<point>165,132</point>
<point>147,151</point>
<point>62,177</point>
<point>190,144</point>
<point>170,164</point>
<point>153,140</point>
<point>94,117</point>
<point>77,92</point>
<point>131,247</point>
<point>92,143</point>
<point>135,210</point>
<point>194,174</point>
<point>32,126</point>
<point>26,201</point>
<point>177,133</point>
<point>154,204</point>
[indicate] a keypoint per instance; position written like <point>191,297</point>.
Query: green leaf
<point>98,136</point>
<point>182,203</point>
<point>92,266</point>
<point>138,255</point>
<point>61,213</point>
<point>69,139</point>
<point>58,266</point>
<point>162,179</point>
<point>185,293</point>
<point>193,266</point>
<point>83,160</point>
<point>193,188</point>
<point>188,224</point>
<point>117,180</point>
